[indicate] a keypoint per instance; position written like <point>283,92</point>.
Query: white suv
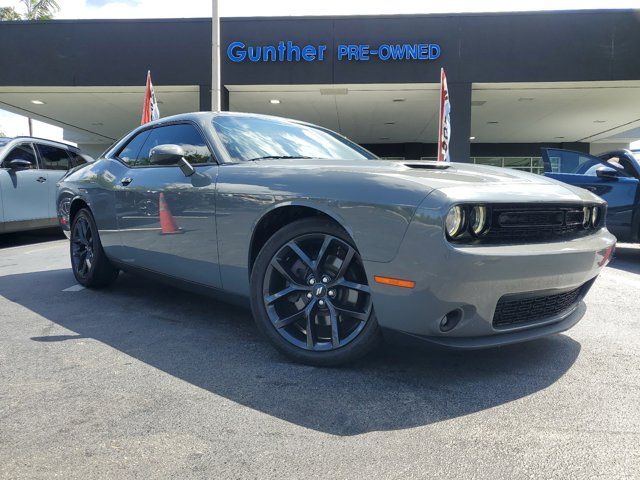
<point>29,170</point>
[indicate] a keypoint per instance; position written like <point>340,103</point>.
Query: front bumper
<point>498,339</point>
<point>472,279</point>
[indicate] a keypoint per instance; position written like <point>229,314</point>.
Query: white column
<point>215,61</point>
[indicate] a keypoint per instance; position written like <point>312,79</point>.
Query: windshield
<point>255,138</point>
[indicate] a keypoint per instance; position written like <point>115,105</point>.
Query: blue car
<point>614,176</point>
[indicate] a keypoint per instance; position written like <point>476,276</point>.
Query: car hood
<point>459,181</point>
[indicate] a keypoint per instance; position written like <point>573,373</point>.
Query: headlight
<point>595,216</point>
<point>478,219</point>
<point>586,219</point>
<point>454,223</point>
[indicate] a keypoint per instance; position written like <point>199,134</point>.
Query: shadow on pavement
<point>216,347</point>
<point>626,258</point>
<point>18,239</point>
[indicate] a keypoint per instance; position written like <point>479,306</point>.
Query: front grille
<point>513,223</point>
<point>526,308</point>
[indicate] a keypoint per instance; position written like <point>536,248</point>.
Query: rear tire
<point>310,297</point>
<point>90,265</point>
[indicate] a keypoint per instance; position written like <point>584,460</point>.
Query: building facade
<point>517,81</point>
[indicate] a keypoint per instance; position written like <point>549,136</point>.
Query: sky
<point>202,8</point>
<point>12,124</point>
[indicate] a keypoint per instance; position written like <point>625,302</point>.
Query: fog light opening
<point>450,320</point>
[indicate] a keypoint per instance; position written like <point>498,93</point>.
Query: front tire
<point>90,265</point>
<point>310,296</point>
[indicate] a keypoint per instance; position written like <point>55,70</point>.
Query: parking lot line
<point>74,288</point>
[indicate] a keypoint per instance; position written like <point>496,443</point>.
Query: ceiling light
<point>384,138</point>
<point>478,103</point>
<point>559,138</point>
<point>525,99</point>
<point>37,102</point>
<point>389,123</point>
<point>398,100</point>
<point>492,122</point>
<point>472,138</point>
<point>274,101</point>
<point>97,124</point>
<point>599,121</point>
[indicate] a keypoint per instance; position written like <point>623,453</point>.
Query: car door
<point>24,191</point>
<point>54,163</point>
<point>619,189</point>
<point>166,219</point>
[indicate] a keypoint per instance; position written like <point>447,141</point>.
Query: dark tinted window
<point>21,152</point>
<point>77,159</point>
<point>53,158</point>
<point>129,154</point>
<point>184,135</point>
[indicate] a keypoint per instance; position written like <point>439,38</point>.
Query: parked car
<point>29,170</point>
<point>331,246</point>
<point>614,176</point>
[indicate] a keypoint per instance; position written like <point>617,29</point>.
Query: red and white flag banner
<point>150,110</point>
<point>444,126</point>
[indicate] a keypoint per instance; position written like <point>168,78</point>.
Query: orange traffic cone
<point>167,223</point>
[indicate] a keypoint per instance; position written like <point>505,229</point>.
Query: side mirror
<point>607,173</point>
<point>170,155</point>
<point>19,164</point>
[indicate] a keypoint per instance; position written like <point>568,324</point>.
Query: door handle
<point>126,181</point>
<point>41,179</point>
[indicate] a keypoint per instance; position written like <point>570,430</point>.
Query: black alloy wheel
<point>89,263</point>
<point>82,247</point>
<point>315,294</point>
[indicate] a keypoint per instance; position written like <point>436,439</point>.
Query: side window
<point>563,161</point>
<point>184,135</point>
<point>53,158</point>
<point>129,154</point>
<point>620,161</point>
<point>21,152</point>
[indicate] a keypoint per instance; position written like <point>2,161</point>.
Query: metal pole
<point>30,126</point>
<point>215,61</point>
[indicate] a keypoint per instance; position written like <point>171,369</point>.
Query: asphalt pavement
<point>144,381</point>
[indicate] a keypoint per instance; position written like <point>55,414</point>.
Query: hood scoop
<point>428,165</point>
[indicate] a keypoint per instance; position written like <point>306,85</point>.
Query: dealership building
<point>517,81</point>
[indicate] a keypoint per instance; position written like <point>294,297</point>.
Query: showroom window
<point>527,164</point>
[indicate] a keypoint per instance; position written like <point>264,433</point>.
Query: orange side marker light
<point>396,282</point>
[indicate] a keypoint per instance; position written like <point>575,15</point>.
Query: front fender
<point>374,209</point>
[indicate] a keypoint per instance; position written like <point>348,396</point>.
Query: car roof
<point>198,116</point>
<point>26,138</point>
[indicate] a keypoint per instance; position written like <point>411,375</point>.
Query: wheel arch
<point>76,204</point>
<point>279,216</point>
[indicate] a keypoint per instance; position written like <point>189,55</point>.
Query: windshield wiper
<point>278,157</point>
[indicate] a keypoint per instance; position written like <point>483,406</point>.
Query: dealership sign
<point>290,52</point>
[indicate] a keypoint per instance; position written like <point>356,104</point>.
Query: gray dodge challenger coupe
<point>332,247</point>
